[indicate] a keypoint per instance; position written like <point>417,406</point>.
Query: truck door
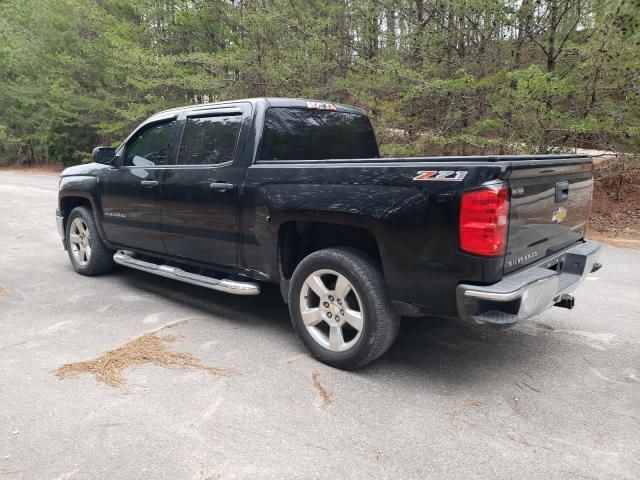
<point>200,195</point>
<point>130,191</point>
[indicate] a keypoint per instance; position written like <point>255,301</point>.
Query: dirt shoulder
<point>615,214</point>
<point>616,241</point>
<point>53,169</point>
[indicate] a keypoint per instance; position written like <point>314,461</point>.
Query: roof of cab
<point>268,101</point>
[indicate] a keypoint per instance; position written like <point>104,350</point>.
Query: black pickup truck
<point>233,194</point>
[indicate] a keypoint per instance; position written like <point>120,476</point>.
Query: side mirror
<point>103,155</point>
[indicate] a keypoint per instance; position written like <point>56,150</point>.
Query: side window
<point>209,140</point>
<point>150,147</point>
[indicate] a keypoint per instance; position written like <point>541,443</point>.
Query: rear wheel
<point>88,255</point>
<point>341,309</point>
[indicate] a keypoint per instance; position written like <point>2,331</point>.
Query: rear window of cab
<point>314,134</point>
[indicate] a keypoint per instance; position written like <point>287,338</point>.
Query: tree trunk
<point>551,41</point>
<point>391,28</point>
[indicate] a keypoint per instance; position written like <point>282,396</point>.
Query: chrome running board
<point>224,285</point>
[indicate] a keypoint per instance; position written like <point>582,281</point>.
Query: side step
<point>228,286</point>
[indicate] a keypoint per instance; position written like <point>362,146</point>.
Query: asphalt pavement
<point>557,396</point>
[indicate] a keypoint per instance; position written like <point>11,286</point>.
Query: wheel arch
<point>68,203</point>
<point>297,239</point>
<point>79,191</point>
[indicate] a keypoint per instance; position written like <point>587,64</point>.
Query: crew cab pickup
<point>231,195</point>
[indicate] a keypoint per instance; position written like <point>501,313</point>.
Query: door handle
<point>221,186</point>
<point>149,183</point>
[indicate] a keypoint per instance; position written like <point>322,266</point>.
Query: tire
<point>88,255</point>
<point>369,324</point>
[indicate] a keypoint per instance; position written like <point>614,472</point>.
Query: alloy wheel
<point>331,310</point>
<point>80,241</point>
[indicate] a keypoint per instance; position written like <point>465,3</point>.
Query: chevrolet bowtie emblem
<point>559,215</point>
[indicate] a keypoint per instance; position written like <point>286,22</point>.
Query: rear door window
<point>307,134</point>
<point>209,140</point>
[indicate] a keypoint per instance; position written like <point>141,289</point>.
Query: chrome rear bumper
<point>530,291</point>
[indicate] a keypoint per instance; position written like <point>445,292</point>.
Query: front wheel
<point>341,309</point>
<point>88,255</point>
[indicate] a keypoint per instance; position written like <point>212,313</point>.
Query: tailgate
<point>550,203</point>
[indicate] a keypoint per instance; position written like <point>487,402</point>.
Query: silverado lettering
<point>522,260</point>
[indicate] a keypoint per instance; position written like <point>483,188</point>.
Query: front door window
<point>150,147</point>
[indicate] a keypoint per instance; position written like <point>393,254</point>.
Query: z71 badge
<point>440,176</point>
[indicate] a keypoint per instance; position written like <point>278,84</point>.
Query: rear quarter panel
<point>415,223</point>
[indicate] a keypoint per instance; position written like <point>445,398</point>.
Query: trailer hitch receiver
<point>566,301</point>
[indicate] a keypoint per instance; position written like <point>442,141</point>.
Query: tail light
<point>483,221</point>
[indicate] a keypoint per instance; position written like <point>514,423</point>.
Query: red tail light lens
<point>484,218</point>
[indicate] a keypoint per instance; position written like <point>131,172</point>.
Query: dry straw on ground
<point>148,348</point>
<point>324,393</point>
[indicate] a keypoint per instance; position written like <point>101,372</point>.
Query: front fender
<point>81,187</point>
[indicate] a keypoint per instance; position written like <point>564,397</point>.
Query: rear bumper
<point>531,291</point>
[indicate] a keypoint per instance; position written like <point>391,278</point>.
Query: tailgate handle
<point>562,191</point>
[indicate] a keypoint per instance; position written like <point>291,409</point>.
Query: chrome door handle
<point>149,183</point>
<point>221,186</point>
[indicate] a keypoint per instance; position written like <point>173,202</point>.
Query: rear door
<point>130,191</point>
<point>200,193</point>
<point>550,202</point>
